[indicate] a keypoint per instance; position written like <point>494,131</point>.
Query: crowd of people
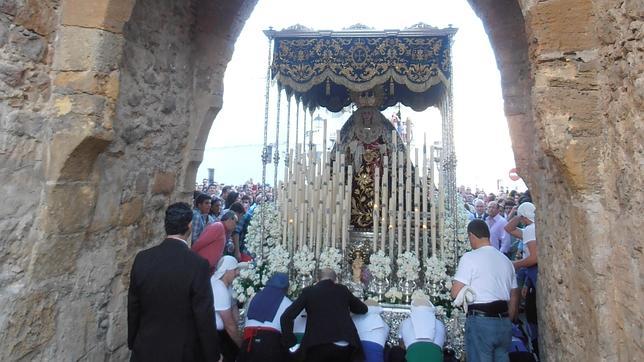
<point>181,306</point>
<point>498,278</point>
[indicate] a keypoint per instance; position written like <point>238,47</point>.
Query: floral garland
<point>331,258</point>
<point>408,266</point>
<point>304,261</point>
<point>380,265</point>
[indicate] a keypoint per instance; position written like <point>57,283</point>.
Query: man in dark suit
<point>170,303</point>
<point>330,333</point>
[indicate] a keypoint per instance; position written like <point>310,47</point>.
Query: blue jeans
<point>487,339</point>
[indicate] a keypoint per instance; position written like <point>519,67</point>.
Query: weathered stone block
<point>31,324</point>
<point>131,211</point>
<point>37,15</point>
<point>84,81</point>
<point>87,49</point>
<point>69,207</point>
<point>163,182</point>
<point>26,45</point>
<point>11,74</point>
<point>564,25</point>
<point>110,15</point>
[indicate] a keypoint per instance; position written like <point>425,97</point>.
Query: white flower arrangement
<point>249,282</point>
<point>278,259</point>
<point>380,265</point>
<point>304,261</point>
<point>272,229</point>
<point>408,266</point>
<point>393,295</point>
<point>456,240</point>
<point>331,258</point>
<point>437,281</point>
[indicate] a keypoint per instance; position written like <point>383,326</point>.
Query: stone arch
<point>126,115</point>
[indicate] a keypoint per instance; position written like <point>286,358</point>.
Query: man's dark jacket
<point>170,306</point>
<point>328,320</point>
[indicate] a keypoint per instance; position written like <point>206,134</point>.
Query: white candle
<point>408,192</point>
<point>424,197</point>
<point>393,206</point>
<point>385,199</point>
<point>432,200</point>
<point>417,205</point>
<point>376,202</point>
<point>400,206</point>
<point>441,207</point>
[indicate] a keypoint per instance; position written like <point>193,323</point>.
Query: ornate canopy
<point>323,68</point>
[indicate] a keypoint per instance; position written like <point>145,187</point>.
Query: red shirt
<point>210,244</point>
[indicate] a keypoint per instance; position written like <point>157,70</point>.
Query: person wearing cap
<point>423,335</point>
<point>525,215</point>
<point>170,303</point>
<point>491,278</point>
<point>528,265</point>
<point>330,334</point>
<point>373,332</point>
<point>226,313</point>
<point>210,244</point>
<point>262,332</point>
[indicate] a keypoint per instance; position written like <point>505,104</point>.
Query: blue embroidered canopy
<point>323,68</point>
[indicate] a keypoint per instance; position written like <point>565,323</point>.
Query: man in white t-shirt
<point>491,277</point>
<point>226,313</point>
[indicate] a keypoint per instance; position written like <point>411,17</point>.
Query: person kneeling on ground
<point>423,334</point>
<point>262,332</point>
<point>373,332</point>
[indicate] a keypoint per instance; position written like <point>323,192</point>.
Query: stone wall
<point>105,107</point>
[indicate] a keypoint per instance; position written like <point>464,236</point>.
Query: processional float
<point>368,198</point>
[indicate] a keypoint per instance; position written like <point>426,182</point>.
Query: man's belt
<point>497,308</point>
<point>479,313</point>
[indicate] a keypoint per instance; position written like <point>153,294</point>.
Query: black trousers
<point>265,346</point>
<point>229,349</point>
<point>329,353</point>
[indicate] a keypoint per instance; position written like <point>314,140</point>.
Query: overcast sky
<point>483,147</point>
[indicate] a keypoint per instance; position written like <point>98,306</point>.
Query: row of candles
<point>394,210</point>
<point>315,202</point>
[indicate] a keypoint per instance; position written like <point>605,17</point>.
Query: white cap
<point>227,263</point>
<point>526,210</point>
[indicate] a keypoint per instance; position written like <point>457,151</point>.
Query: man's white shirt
<point>488,272</point>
